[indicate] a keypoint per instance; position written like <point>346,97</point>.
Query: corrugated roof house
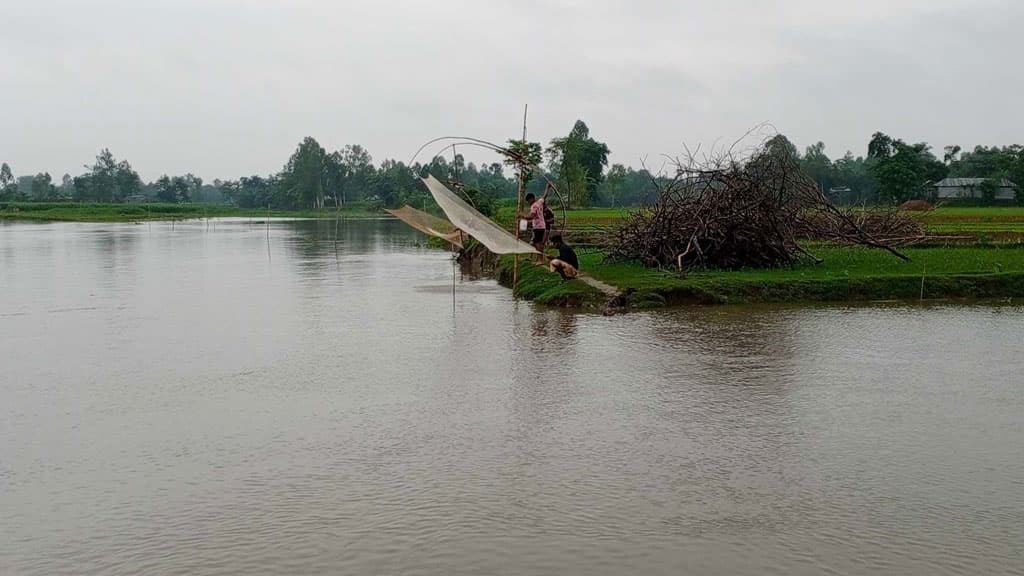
<point>971,188</point>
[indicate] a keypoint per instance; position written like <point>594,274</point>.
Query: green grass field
<point>847,274</point>
<point>838,263</point>
<point>997,223</point>
<point>978,211</point>
<point>1007,222</point>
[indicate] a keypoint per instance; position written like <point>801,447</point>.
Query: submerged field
<point>102,212</point>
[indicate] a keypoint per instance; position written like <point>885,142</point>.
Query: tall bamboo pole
<point>519,205</point>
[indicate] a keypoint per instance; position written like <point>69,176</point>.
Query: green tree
<point>902,169</point>
<point>984,162</point>
<point>303,177</point>
<point>108,180</point>
<point>251,192</point>
<point>950,154</point>
<point>42,186</point>
<point>128,181</point>
<point>614,182</point>
<point>67,186</point>
<point>1016,174</point>
<point>103,177</point>
<point>335,176</point>
<point>579,161</point>
<point>193,187</point>
<point>356,167</point>
<point>177,189</point>
<point>528,151</point>
<point>8,188</point>
<point>817,165</point>
<point>880,146</point>
<point>851,174</point>
<point>395,184</point>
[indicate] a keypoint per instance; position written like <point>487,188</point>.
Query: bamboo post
<point>519,206</point>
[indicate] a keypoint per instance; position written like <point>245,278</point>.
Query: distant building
<point>971,188</point>
<point>136,199</point>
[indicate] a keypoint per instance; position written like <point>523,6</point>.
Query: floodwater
<point>237,397</point>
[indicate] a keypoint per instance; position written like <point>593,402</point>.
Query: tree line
<point>893,171</point>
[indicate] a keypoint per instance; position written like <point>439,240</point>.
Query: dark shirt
<point>567,255</point>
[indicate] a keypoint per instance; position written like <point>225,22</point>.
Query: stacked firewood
<point>731,214</point>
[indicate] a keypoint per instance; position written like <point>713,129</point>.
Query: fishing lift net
<point>469,220</point>
<point>428,224</point>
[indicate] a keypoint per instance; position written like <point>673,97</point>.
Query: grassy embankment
<point>98,212</point>
<point>990,266</point>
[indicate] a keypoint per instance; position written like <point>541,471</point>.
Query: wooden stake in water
<point>337,262</point>
<point>519,204</point>
<point>923,272</point>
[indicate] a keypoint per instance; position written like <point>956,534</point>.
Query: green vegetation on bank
<point>537,284</point>
<point>848,274</point>
<point>104,212</point>
<point>989,265</point>
<point>1004,223</point>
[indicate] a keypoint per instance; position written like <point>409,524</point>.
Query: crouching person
<point>567,265</point>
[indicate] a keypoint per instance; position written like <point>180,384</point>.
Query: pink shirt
<point>537,215</point>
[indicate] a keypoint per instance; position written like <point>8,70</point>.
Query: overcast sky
<point>225,88</point>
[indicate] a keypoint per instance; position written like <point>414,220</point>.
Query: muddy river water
<point>303,397</point>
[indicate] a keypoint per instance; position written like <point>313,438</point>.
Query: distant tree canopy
<point>995,164</point>
<point>42,186</point>
<point>8,184</point>
<point>578,162</point>
<point>902,170</point>
<point>108,180</point>
<point>892,171</point>
<point>178,188</point>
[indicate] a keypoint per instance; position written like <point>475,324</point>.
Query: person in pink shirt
<point>536,216</point>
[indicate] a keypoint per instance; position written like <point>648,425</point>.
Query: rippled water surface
<point>233,397</point>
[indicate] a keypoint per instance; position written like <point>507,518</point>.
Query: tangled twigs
<point>728,214</point>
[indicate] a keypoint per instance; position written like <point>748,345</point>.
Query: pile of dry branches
<point>730,214</point>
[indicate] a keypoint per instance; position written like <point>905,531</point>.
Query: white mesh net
<point>428,224</point>
<point>472,222</point>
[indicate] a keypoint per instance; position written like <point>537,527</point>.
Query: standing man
<point>536,216</point>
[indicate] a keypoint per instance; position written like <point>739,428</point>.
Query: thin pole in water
<point>923,272</point>
<point>454,264</point>
<point>519,204</point>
